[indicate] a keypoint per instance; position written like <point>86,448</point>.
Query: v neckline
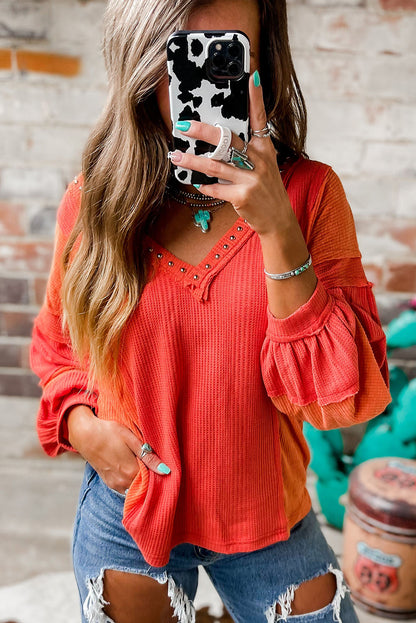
<point>198,277</point>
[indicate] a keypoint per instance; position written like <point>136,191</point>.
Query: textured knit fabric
<point>217,385</point>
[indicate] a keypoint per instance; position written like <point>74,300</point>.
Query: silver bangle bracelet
<point>291,273</point>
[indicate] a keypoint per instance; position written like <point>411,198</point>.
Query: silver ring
<point>244,150</point>
<point>240,160</point>
<point>146,449</point>
<point>263,133</point>
<point>224,144</point>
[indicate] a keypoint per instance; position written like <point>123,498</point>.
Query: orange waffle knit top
<point>217,385</point>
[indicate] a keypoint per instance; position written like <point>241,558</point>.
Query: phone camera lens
<point>233,68</point>
<point>233,50</point>
<point>218,61</point>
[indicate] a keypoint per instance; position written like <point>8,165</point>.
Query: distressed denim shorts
<point>250,584</point>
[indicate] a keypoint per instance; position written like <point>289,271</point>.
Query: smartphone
<point>208,81</point>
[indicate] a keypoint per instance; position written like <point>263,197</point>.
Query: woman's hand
<point>258,196</point>
<point>111,448</point>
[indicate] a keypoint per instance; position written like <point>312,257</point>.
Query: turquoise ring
<point>240,160</point>
<point>145,449</point>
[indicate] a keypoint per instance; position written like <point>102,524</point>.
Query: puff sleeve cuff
<point>312,354</point>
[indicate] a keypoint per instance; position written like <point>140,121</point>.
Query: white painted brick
<point>390,77</point>
<point>61,103</point>
<point>390,159</point>
<point>365,119</point>
<point>335,75</point>
<point>371,196</point>
<point>78,23</point>
<point>77,27</point>
<point>343,155</point>
<point>332,3</point>
<point>5,75</point>
<point>397,229</point>
<point>21,19</point>
<point>22,104</point>
<point>21,183</point>
<point>368,32</point>
<point>55,144</point>
<point>338,74</point>
<point>376,248</point>
<point>304,25</point>
<point>342,119</point>
<point>406,205</point>
<point>76,105</point>
<point>404,122</point>
<point>13,141</point>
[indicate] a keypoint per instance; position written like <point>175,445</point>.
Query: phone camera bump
<point>234,69</point>
<point>218,61</point>
<point>233,50</point>
<point>225,60</point>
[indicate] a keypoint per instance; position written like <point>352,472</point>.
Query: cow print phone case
<point>208,81</point>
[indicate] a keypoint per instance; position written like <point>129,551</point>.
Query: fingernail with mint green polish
<point>256,78</point>
<point>163,469</point>
<point>197,186</point>
<point>183,126</point>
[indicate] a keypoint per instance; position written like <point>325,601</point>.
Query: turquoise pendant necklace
<point>202,219</point>
<point>207,206</point>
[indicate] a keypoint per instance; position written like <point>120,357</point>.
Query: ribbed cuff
<point>309,319</point>
<point>72,400</point>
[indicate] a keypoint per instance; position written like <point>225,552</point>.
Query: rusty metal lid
<point>384,491</point>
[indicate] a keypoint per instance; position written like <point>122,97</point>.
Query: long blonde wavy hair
<point>125,167</point>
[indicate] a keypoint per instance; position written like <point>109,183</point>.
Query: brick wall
<point>356,64</point>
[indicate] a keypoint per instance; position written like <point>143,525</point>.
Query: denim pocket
<point>120,495</point>
<point>89,475</point>
<point>112,492</point>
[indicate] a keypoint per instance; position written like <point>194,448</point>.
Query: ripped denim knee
<point>94,604</point>
<point>285,601</point>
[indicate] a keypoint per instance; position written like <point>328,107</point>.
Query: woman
<point>176,367</point>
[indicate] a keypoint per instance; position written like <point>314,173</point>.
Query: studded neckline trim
<point>198,277</point>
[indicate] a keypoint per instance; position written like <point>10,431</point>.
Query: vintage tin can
<point>379,560</point>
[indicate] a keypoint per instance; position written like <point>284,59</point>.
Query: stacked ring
<point>263,133</point>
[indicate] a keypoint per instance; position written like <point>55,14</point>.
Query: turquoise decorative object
<point>398,381</point>
<point>324,459</point>
<point>334,438</point>
<point>383,441</point>
<point>201,219</point>
<point>404,414</point>
<point>401,332</point>
<point>329,494</point>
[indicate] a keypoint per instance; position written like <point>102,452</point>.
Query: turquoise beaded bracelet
<point>291,273</point>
